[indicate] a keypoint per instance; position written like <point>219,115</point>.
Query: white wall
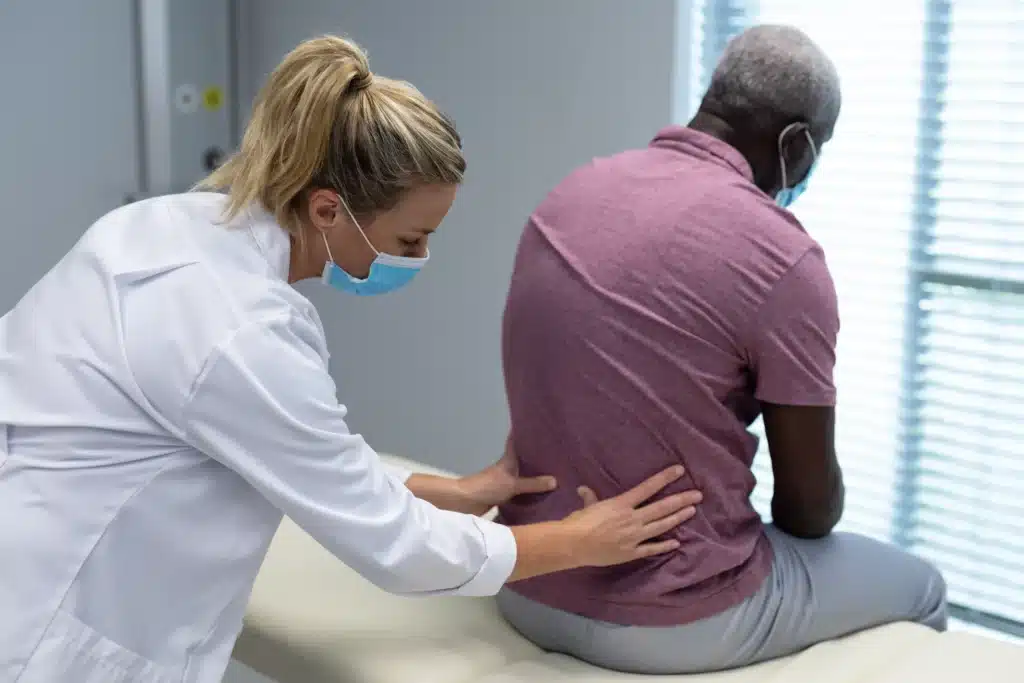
<point>536,88</point>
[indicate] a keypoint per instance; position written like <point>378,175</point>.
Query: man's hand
<point>499,484</point>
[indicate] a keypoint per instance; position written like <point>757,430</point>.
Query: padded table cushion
<point>312,620</point>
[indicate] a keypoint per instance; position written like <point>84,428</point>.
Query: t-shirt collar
<point>695,143</point>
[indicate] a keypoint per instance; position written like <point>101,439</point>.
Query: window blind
<point>918,204</point>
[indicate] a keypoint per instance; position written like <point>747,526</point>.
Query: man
<point>662,300</point>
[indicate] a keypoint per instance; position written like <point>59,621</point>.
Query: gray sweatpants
<point>818,589</point>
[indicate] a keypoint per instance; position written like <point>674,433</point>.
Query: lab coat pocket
<point>72,652</point>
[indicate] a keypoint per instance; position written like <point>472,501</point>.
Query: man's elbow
<point>807,527</point>
<point>811,519</point>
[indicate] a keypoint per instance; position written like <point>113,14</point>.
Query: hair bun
<point>361,81</point>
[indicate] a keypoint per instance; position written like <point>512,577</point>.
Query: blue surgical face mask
<point>387,272</point>
<point>787,195</point>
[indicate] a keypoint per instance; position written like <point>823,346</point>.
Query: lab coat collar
<point>272,240</point>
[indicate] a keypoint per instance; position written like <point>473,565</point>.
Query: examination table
<point>312,620</point>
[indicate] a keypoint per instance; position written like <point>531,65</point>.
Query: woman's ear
<point>324,210</point>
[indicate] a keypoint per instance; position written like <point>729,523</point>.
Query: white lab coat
<point>164,398</point>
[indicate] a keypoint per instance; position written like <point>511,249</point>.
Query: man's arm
<point>792,358</point>
<point>808,497</point>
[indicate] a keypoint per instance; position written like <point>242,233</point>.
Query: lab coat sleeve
<point>397,472</point>
<point>265,406</point>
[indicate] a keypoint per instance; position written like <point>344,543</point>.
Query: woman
<point>164,399</point>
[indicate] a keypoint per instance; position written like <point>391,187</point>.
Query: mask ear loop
<point>814,147</point>
<point>782,160</point>
<point>782,167</point>
<point>330,256</point>
<point>344,204</point>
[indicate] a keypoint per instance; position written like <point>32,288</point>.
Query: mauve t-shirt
<point>658,298</point>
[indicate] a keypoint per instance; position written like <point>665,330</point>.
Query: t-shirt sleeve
<point>264,405</point>
<point>793,345</point>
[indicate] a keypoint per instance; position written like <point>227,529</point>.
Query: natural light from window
<point>918,204</point>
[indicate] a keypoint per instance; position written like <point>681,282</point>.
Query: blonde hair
<point>323,120</point>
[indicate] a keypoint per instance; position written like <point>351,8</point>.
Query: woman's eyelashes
<point>411,247</point>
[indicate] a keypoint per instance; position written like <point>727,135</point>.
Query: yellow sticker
<point>213,98</point>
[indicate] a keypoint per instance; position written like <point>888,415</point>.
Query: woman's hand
<point>620,529</point>
<point>498,484</point>
<point>605,533</point>
<point>478,493</point>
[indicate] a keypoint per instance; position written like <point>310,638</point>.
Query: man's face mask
<point>787,195</point>
<point>387,272</point>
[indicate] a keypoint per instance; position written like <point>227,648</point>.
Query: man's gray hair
<point>771,76</point>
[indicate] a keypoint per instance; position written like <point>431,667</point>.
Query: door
<point>69,138</point>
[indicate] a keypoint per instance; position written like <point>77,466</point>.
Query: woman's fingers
<point>666,524</point>
<point>649,488</point>
<point>528,485</point>
<point>620,529</point>
<point>652,549</point>
<point>587,495</point>
<point>669,506</point>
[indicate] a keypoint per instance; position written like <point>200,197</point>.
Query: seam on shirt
<point>751,334</point>
<point>217,352</point>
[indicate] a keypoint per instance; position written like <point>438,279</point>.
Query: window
<point>918,204</point>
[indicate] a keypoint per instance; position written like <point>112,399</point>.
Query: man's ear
<point>794,141</point>
<point>796,147</point>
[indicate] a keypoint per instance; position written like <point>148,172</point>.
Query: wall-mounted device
<point>186,52</point>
